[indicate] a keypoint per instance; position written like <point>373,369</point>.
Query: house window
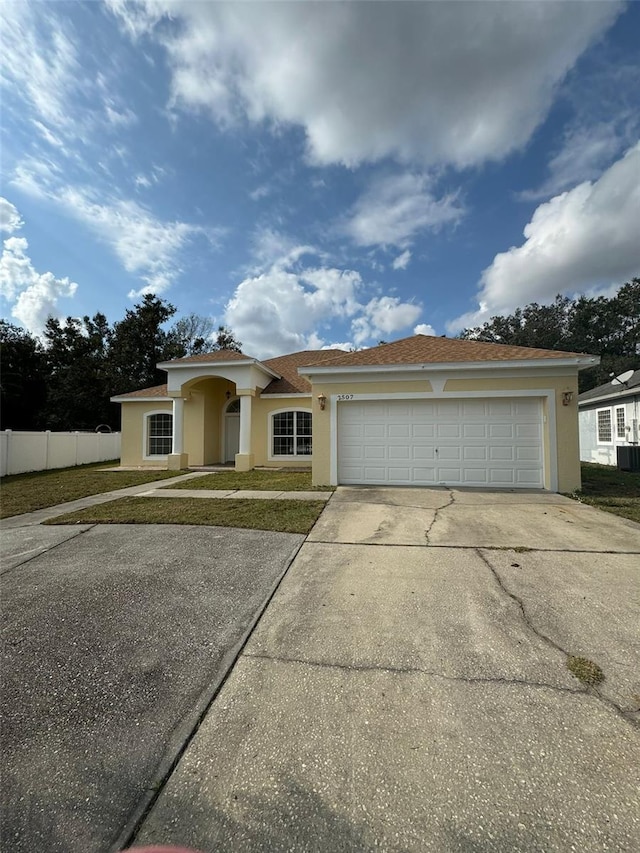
<point>159,434</point>
<point>604,426</point>
<point>621,431</point>
<point>291,434</point>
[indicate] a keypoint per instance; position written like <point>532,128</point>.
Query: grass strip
<point>266,481</point>
<point>282,516</point>
<point>611,490</point>
<point>40,489</point>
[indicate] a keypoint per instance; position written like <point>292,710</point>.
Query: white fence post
<point>6,467</point>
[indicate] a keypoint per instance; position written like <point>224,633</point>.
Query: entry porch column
<point>177,459</point>
<point>245,458</point>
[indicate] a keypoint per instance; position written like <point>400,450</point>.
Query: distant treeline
<point>65,380</point>
<point>609,328</point>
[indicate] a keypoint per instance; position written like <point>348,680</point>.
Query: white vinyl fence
<point>39,451</point>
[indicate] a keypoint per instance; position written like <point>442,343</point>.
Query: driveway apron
<point>408,687</point>
<point>114,640</point>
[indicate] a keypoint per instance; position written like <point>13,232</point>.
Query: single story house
<point>609,417</point>
<point>419,411</point>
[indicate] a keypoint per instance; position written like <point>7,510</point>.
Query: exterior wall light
<point>322,400</point>
<point>567,397</point>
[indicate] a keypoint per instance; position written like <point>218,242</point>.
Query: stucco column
<point>244,458</point>
<point>177,459</point>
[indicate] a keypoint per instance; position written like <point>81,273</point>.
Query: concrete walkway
<point>40,515</point>
<point>239,494</point>
<point>154,490</point>
<point>407,688</point>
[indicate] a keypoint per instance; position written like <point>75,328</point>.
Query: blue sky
<point>317,174</point>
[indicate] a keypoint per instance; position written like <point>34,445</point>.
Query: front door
<point>232,431</point>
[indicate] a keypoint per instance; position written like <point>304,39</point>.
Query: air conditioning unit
<point>628,458</point>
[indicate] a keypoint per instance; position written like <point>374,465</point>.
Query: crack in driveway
<point>437,512</point>
<point>591,690</point>
<point>414,670</point>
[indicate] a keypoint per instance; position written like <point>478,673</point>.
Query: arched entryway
<point>231,430</point>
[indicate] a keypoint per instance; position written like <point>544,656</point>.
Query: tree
<point>543,326</point>
<point>225,339</point>
<point>23,379</point>
<point>78,384</point>
<point>193,334</point>
<point>608,327</point>
<point>139,342</point>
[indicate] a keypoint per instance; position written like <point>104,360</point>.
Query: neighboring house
<point>609,417</point>
<point>419,411</point>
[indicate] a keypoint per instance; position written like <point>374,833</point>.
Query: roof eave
<point>611,397</point>
<point>580,362</point>
<point>175,365</point>
<point>125,398</point>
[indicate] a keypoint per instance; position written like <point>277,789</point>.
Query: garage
<point>451,442</point>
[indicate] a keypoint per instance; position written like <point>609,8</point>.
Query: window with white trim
<point>621,426</point>
<point>605,431</point>
<point>159,434</point>
<point>291,434</point>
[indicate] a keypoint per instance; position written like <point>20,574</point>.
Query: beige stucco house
<point>419,411</point>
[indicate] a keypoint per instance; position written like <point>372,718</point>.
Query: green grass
<point>585,670</point>
<point>279,515</point>
<point>27,492</point>
<point>267,481</point>
<point>606,488</point>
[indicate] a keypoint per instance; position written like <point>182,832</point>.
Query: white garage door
<point>488,442</point>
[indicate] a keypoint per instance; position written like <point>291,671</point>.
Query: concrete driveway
<point>114,640</point>
<point>407,688</point>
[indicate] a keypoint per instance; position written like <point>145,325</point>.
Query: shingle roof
<point>417,349</point>
<point>156,391</point>
<point>425,349</point>
<point>287,366</point>
<point>611,391</point>
<point>218,355</point>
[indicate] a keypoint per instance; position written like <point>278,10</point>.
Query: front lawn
<point>266,481</point>
<point>291,516</point>
<point>607,488</point>
<point>39,489</point>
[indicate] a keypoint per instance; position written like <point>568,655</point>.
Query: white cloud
<point>382,316</point>
<point>280,310</point>
<point>36,294</point>
<point>402,261</point>
<point>10,220</point>
<point>580,240</point>
<point>39,60</point>
<point>118,116</point>
<point>285,306</point>
<point>271,248</point>
<point>145,245</point>
<point>452,83</point>
<point>396,208</point>
<point>585,152</point>
<point>47,135</point>
<point>262,191</point>
<point>344,346</point>
<point>424,329</point>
